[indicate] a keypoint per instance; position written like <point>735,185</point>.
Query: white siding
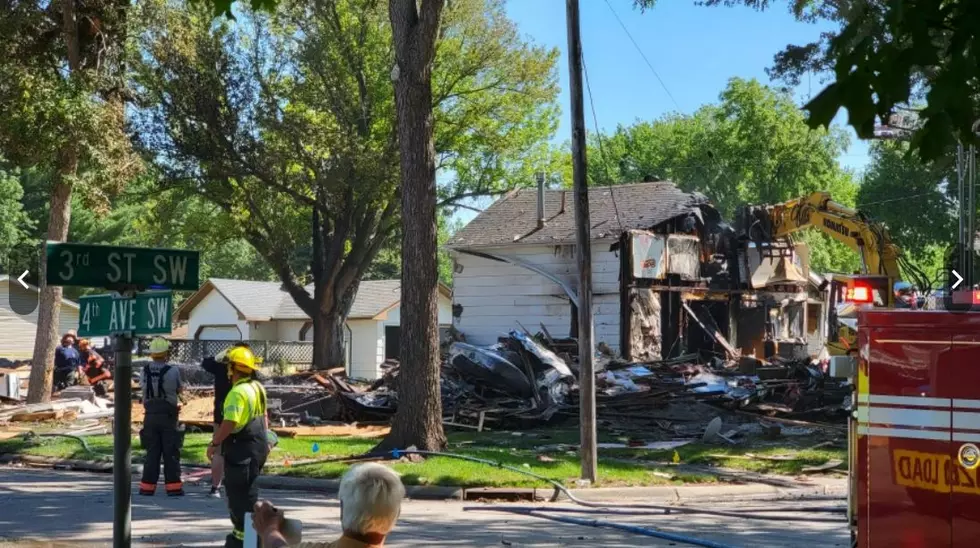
<point>288,330</point>
<point>394,316</point>
<point>263,331</point>
<point>495,296</point>
<point>367,348</point>
<point>215,310</point>
<point>17,332</point>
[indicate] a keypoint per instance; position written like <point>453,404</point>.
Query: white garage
<point>17,332</point>
<point>226,310</point>
<point>219,333</point>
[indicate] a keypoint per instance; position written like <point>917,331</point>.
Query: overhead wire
<point>643,55</point>
<point>602,152</point>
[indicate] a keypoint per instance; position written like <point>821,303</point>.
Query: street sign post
<point>148,313</point>
<point>128,270</point>
<point>110,266</point>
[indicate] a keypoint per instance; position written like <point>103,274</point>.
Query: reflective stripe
<point>240,535</point>
<point>903,433</point>
<point>912,401</point>
<point>863,398</point>
<point>966,436</point>
<point>909,417</point>
<point>968,404</point>
<point>862,414</point>
<point>970,421</point>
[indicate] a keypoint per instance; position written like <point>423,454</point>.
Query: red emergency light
<point>859,294</point>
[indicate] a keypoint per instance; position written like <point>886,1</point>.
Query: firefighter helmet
<point>242,358</point>
<point>159,346</point>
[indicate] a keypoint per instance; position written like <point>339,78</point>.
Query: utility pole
<point>122,453</point>
<point>583,245</point>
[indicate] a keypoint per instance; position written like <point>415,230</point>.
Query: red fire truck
<point>916,429</point>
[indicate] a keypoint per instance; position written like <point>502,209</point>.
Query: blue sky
<point>694,50</point>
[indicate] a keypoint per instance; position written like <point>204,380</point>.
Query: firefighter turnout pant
<point>161,440</point>
<point>242,492</point>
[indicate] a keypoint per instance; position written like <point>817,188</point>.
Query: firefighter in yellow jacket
<point>243,439</point>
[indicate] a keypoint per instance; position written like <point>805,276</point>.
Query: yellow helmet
<point>242,358</point>
<point>159,346</point>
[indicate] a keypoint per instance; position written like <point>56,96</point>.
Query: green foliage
<point>887,55</point>
<point>285,123</point>
<point>141,216</point>
<point>754,147</point>
<point>494,100</point>
<point>15,224</point>
<point>387,265</point>
<point>885,51</point>
<point>914,200</point>
<point>44,110</point>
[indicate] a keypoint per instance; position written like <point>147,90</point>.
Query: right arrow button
<point>959,279</point>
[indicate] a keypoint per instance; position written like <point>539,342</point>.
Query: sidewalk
<point>809,487</point>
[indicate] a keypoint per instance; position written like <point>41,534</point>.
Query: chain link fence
<point>298,354</point>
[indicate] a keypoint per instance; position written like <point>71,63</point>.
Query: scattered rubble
<point>521,382</point>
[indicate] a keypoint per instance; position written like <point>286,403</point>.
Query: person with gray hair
<point>370,503</point>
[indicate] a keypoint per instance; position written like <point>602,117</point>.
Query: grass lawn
<point>617,467</point>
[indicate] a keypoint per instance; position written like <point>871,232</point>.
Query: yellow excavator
<point>880,257</point>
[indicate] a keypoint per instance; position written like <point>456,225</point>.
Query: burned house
<point>669,276</point>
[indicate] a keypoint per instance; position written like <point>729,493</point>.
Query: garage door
<point>220,333</point>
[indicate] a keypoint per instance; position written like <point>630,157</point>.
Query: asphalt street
<point>44,508</point>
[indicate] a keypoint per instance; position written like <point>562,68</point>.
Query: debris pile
<point>516,381</point>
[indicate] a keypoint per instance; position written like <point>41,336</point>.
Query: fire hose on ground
<point>662,509</point>
<point>542,513</point>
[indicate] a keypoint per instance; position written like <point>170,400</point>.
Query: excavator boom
<point>869,239</point>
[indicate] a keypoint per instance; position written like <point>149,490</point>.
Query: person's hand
<point>266,518</point>
<point>211,450</point>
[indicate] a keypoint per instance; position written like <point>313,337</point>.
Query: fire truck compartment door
<point>961,382</point>
<point>904,438</point>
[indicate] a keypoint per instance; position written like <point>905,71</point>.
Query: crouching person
<point>370,503</point>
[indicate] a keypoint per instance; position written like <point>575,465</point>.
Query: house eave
<point>457,247</point>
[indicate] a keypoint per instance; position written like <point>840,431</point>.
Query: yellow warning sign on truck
<point>934,472</point>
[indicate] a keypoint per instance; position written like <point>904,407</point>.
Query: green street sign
<point>110,266</point>
<point>148,313</point>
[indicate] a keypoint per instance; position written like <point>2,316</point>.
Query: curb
<point>291,483</point>
<point>708,493</point>
<point>662,494</point>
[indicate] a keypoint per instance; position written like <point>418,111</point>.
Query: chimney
<point>540,176</point>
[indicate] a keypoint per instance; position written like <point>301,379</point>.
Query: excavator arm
<point>869,239</point>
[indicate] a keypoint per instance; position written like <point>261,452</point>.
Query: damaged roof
<point>612,210</point>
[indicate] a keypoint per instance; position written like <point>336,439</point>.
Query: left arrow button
<point>21,290</point>
<point>21,279</point>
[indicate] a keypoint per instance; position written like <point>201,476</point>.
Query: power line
<point>643,55</point>
<point>896,199</point>
<point>602,152</point>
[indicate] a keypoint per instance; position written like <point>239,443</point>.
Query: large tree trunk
<point>328,341</point>
<point>329,326</point>
<point>418,421</point>
<point>49,305</point>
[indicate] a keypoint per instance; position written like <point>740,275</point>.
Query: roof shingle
<point>612,210</point>
<point>261,301</point>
